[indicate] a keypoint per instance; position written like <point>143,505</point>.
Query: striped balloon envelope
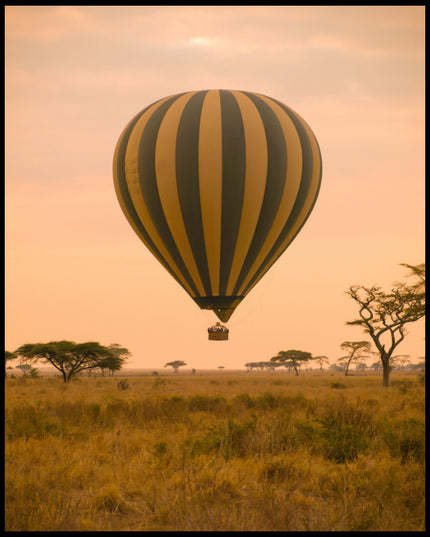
<point>217,183</point>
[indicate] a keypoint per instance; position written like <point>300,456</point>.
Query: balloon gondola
<point>218,332</point>
<point>217,184</point>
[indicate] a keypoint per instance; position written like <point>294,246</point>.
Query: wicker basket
<point>218,335</point>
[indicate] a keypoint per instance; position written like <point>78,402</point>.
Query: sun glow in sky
<point>75,76</point>
<point>202,41</point>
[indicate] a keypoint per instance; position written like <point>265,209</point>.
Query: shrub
<point>206,403</point>
<point>406,439</point>
<point>337,385</point>
<point>228,439</point>
<point>160,449</point>
<point>342,441</point>
<point>244,399</point>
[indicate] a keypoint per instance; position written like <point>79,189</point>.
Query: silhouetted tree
<point>176,365</point>
<point>354,348</point>
<point>321,360</point>
<point>70,358</point>
<point>384,315</point>
<point>8,356</point>
<point>296,358</point>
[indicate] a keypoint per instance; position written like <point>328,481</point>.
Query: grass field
<point>222,451</point>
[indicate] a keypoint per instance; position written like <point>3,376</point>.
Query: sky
<point>76,75</point>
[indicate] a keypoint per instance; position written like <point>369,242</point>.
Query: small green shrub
<point>236,438</point>
<point>160,449</point>
<point>267,400</point>
<point>228,439</point>
<point>403,385</point>
<point>244,399</point>
<point>28,421</point>
<point>406,439</point>
<point>337,385</point>
<point>342,441</point>
<point>206,403</point>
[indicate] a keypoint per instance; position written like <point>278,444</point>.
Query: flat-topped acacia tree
<point>176,365</point>
<point>71,358</point>
<point>293,358</point>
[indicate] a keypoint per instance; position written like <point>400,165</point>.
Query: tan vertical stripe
<point>123,205</point>
<point>291,187</point>
<point>118,190</point>
<point>313,191</point>
<point>133,183</point>
<point>210,182</point>
<point>165,170</point>
<point>255,182</point>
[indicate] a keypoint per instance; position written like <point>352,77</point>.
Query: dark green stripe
<point>148,185</point>
<point>305,183</point>
<point>187,177</point>
<point>276,171</point>
<point>233,181</point>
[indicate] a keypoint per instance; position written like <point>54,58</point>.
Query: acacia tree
<point>384,315</point>
<point>353,348</point>
<point>117,361</point>
<point>321,361</point>
<point>400,360</point>
<point>176,365</point>
<point>293,357</point>
<point>8,356</point>
<point>251,365</point>
<point>270,366</point>
<point>68,357</point>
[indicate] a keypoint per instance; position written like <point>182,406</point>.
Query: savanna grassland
<point>222,451</point>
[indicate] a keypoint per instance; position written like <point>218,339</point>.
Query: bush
<point>206,403</point>
<point>229,439</point>
<point>337,385</point>
<point>342,441</point>
<point>406,439</point>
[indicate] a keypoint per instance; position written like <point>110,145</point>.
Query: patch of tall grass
<point>243,454</point>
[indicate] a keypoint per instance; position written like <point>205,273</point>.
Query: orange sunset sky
<point>75,76</point>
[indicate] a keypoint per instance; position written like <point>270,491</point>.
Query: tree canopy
<point>293,358</point>
<point>270,366</point>
<point>176,365</point>
<point>71,358</point>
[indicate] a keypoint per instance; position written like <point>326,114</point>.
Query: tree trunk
<point>386,370</point>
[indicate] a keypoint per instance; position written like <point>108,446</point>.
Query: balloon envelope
<point>217,183</point>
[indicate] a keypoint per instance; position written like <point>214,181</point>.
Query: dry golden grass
<point>223,451</point>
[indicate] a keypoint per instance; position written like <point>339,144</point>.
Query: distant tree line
<point>383,316</point>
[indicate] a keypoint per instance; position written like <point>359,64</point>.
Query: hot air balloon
<point>217,184</point>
